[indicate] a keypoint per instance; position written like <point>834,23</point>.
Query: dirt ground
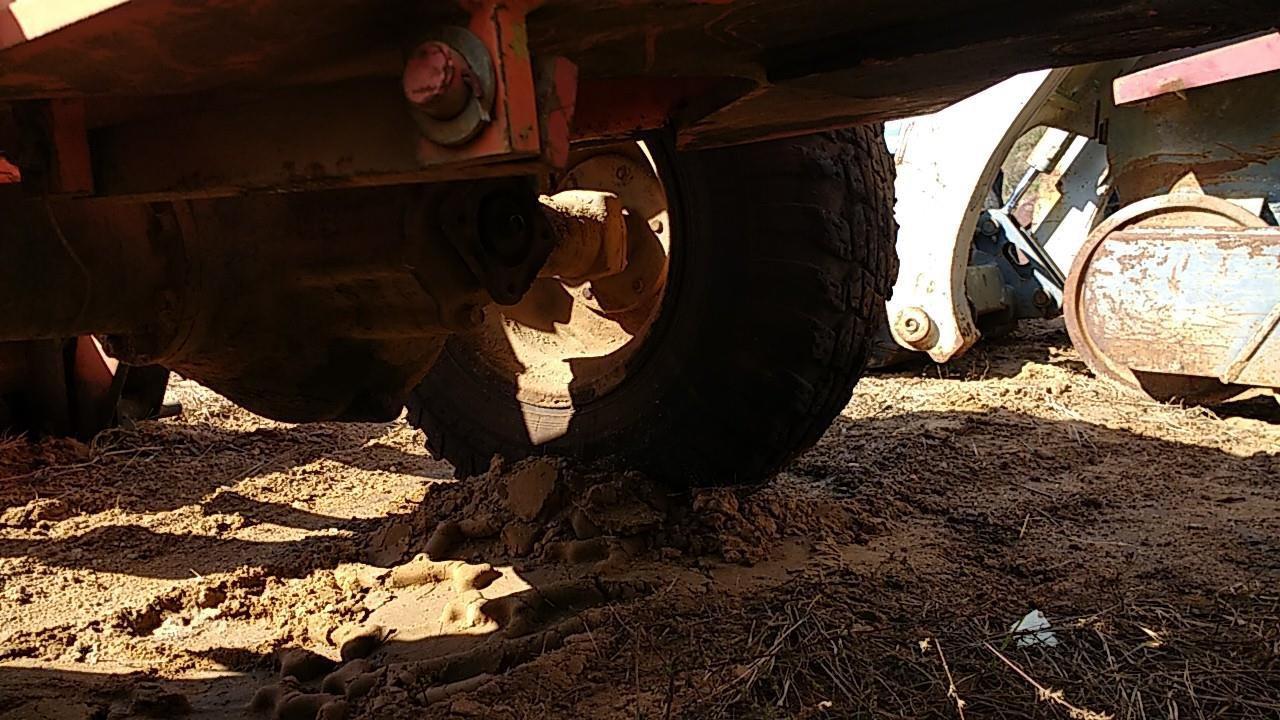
<point>172,569</point>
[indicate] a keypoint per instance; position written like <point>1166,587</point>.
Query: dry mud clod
<point>296,705</point>
<point>304,665</point>
<point>356,642</point>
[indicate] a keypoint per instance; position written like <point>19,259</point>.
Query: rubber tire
<point>783,256</point>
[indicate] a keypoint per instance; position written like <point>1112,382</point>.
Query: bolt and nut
<point>913,326</point>
<point>436,80</point>
<point>449,84</point>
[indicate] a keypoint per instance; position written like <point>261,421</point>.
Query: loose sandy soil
<point>172,569</point>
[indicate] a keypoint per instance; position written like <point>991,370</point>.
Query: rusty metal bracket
<point>364,131</point>
<point>557,88</point>
<point>512,130</point>
<point>449,83</point>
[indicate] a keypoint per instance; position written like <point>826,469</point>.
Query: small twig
<point>952,692</point>
<point>1048,694</point>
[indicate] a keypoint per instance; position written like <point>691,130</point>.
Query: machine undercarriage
<point>304,213</point>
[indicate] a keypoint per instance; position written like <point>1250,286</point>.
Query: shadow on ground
<point>1157,560</point>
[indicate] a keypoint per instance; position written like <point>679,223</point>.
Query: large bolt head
<point>913,326</point>
<point>435,80</point>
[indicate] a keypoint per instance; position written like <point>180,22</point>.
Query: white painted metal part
<point>1063,220</point>
<point>946,164</point>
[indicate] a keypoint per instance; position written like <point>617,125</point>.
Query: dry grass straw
<point>821,651</point>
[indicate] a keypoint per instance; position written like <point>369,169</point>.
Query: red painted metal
<point>1243,59</point>
<point>9,173</point>
<point>619,107</point>
<point>558,100</point>
<point>512,133</point>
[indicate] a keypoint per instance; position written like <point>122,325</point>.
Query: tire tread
<point>805,251</point>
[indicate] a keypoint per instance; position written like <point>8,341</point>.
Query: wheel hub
<point>572,336</point>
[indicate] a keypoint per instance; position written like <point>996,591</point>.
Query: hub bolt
<point>438,81</point>
<point>913,327</point>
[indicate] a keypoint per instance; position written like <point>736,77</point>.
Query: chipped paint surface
<point>1186,300</point>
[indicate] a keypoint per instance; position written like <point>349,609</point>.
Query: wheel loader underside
<point>150,142</point>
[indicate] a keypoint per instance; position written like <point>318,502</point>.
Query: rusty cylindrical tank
<point>1178,293</point>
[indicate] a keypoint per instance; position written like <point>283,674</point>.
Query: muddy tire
<point>781,255</point>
